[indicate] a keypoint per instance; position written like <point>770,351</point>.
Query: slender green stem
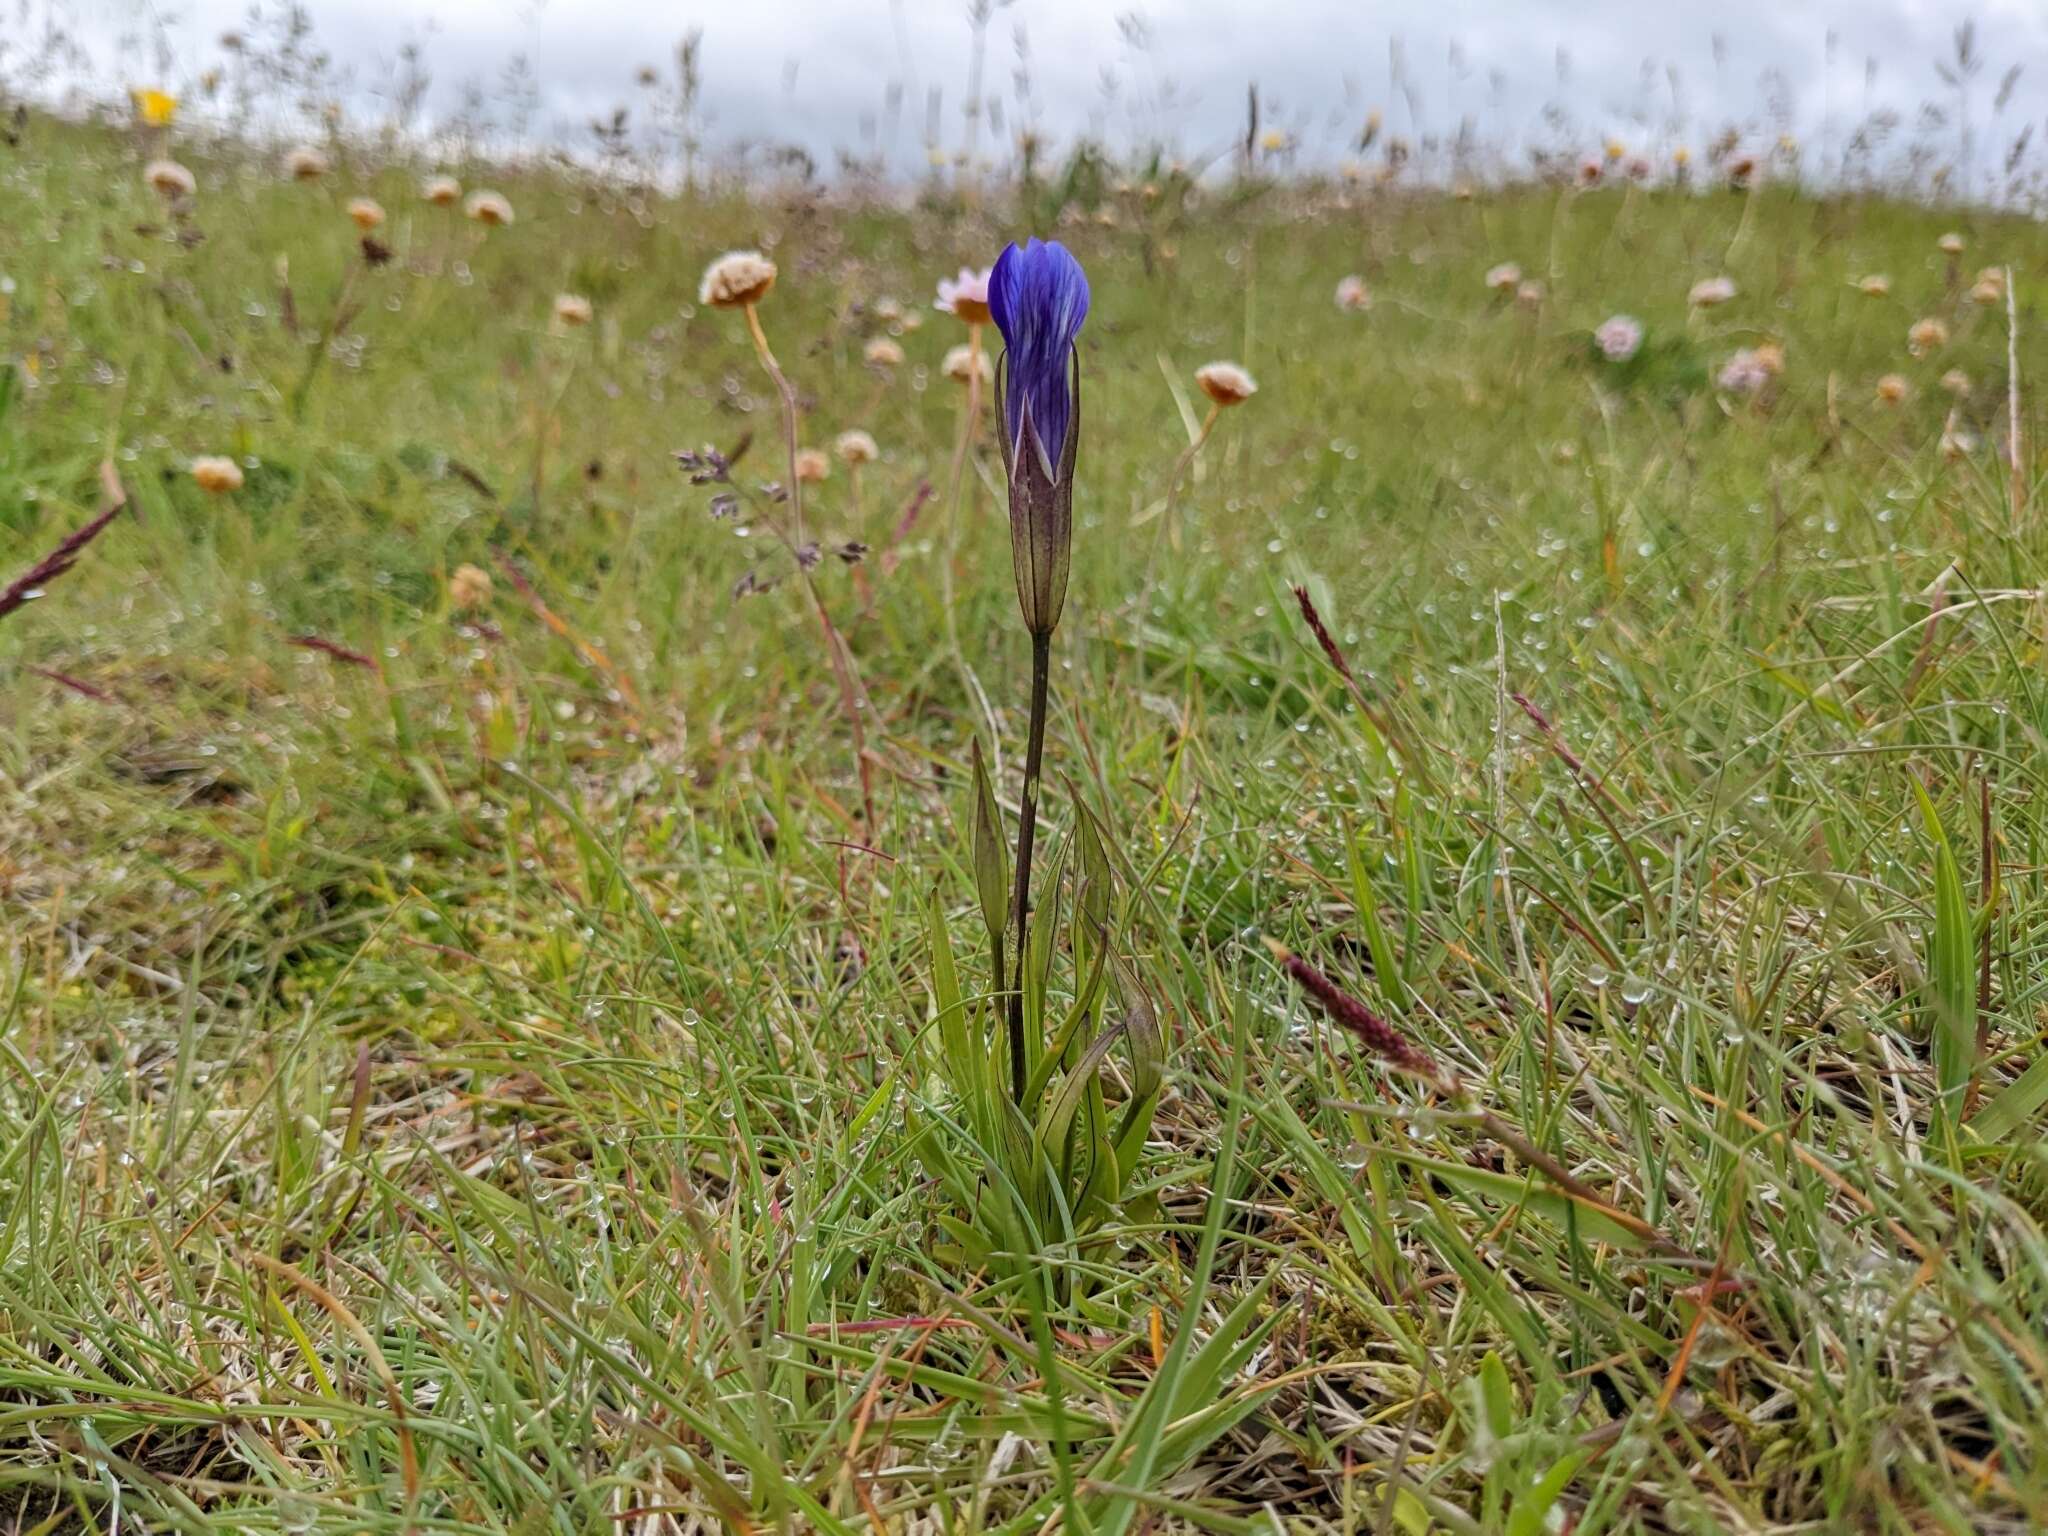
<point>328,332</point>
<point>1027,831</point>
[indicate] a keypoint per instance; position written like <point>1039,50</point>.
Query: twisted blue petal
<point>1038,296</point>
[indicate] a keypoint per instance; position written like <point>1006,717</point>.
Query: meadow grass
<point>472,1069</point>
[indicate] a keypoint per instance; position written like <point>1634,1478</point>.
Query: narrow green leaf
<point>991,855</point>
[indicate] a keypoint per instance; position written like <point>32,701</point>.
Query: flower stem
<point>852,691</point>
<point>1168,526</point>
<point>788,392</point>
<point>956,478</point>
<point>1027,831</point>
<point>328,332</point>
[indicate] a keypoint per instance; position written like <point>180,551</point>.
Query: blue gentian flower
<point>1038,297</point>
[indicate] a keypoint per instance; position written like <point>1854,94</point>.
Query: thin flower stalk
<point>1038,298</point>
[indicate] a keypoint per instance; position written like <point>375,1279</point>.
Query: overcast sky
<point>818,72</point>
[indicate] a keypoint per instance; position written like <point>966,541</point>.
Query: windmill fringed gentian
<point>1038,297</point>
<point>1034,1152</point>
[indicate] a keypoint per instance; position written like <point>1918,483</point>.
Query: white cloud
<point>814,71</point>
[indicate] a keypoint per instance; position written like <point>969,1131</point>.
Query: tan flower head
<point>305,163</point>
<point>490,209</point>
<point>1530,294</point>
<point>1956,382</point>
<point>443,192</point>
<point>1710,291</point>
<point>217,474</point>
<point>737,278</point>
<point>170,178</point>
<point>1951,244</point>
<point>963,362</point>
<point>469,587</point>
<point>1505,278</point>
<point>812,465</point>
<point>1353,295</point>
<point>883,353</point>
<point>1926,335</point>
<point>367,212</point>
<point>1226,383</point>
<point>966,297</point>
<point>1989,288</point>
<point>856,447</point>
<point>1770,356</point>
<point>1892,388</point>
<point>1875,286</point>
<point>572,309</point>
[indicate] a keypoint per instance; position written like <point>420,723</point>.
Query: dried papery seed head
<point>882,353</point>
<point>1951,244</point>
<point>170,179</point>
<point>1504,278</point>
<point>217,473</point>
<point>572,309</point>
<point>1892,389</point>
<point>856,447</point>
<point>1989,288</point>
<point>1529,295</point>
<point>442,191</point>
<point>1874,286</point>
<point>812,465</point>
<point>966,297</point>
<point>1353,295</point>
<point>305,163</point>
<point>1926,335</point>
<point>1226,383</point>
<point>1957,383</point>
<point>469,588</point>
<point>736,279</point>
<point>1711,291</point>
<point>490,209</point>
<point>367,213</point>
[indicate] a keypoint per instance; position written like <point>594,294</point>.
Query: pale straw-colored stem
<point>956,477</point>
<point>1170,526</point>
<point>852,692</point>
<point>956,490</point>
<point>788,392</point>
<point>2015,460</point>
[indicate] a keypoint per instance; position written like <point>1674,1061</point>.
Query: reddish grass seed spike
<point>338,651</point>
<point>1375,1033</point>
<point>30,583</point>
<point>1323,636</point>
<point>77,685</point>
